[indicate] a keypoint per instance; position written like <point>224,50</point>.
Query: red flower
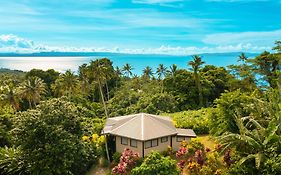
<point>181,164</point>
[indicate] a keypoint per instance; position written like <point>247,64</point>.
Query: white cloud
<point>197,50</point>
<point>10,42</point>
<point>254,38</point>
<point>14,44</point>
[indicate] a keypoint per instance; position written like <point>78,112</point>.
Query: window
<point>151,143</point>
<point>164,139</point>
<point>133,143</point>
<point>124,141</point>
<point>148,144</point>
<point>154,142</point>
<point>180,138</point>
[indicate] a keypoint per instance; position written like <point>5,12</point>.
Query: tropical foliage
<point>54,128</point>
<point>50,121</point>
<point>155,163</point>
<point>198,120</point>
<point>258,140</point>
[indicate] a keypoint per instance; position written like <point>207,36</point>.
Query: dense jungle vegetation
<point>50,122</point>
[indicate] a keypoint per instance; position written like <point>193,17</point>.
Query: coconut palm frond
<point>244,159</point>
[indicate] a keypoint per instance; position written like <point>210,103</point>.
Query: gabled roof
<point>140,126</point>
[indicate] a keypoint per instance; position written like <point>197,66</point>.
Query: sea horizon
<point>65,62</point>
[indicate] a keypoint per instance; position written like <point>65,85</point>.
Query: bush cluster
<point>198,120</point>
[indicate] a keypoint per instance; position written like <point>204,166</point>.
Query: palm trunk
<point>198,84</point>
<point>107,90</point>
<point>29,102</point>
<point>102,98</point>
<point>105,110</point>
<point>106,148</point>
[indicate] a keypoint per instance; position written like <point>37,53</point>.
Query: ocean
<point>138,62</point>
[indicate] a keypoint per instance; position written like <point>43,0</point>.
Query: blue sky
<point>139,26</point>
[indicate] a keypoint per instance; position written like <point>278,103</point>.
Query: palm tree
<point>9,94</point>
<point>118,74</point>
<point>195,67</point>
<point>118,71</point>
<point>127,69</point>
<point>161,71</point>
<point>242,57</point>
<point>67,84</point>
<point>147,72</point>
<point>173,69</point>
<point>98,72</point>
<point>83,75</point>
<point>32,90</point>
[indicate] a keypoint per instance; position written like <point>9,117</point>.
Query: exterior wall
<point>176,144</point>
<point>160,147</point>
<point>120,147</point>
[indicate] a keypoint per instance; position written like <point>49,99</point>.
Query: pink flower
<point>182,151</point>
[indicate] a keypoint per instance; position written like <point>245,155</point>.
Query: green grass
<point>207,140</point>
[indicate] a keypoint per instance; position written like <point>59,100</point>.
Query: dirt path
<point>98,171</point>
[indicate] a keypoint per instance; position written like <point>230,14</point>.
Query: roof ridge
<point>133,117</point>
<point>123,116</point>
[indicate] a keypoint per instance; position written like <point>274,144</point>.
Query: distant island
<point>83,54</point>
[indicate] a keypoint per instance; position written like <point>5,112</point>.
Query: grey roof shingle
<point>140,126</point>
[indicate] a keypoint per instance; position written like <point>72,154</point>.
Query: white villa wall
<point>176,144</point>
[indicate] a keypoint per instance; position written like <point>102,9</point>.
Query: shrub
<point>116,157</point>
<point>51,139</point>
<point>11,161</point>
<point>155,163</point>
<point>5,127</point>
<point>198,120</point>
<point>227,107</point>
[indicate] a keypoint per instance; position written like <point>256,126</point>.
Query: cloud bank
<point>14,44</point>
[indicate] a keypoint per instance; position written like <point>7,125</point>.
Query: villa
<point>144,133</point>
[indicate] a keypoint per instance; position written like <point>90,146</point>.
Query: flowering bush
<point>95,141</point>
<point>182,151</point>
<point>199,160</point>
<point>127,161</point>
<point>95,138</point>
